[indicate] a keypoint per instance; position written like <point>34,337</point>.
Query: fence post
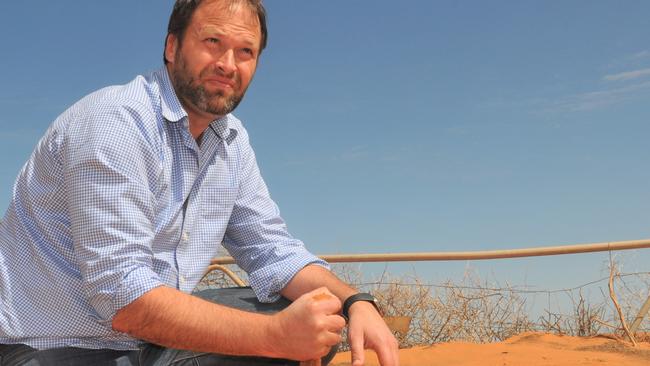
<point>639,318</point>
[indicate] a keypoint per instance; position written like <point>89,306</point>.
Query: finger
<point>387,354</point>
<point>356,349</point>
<point>324,351</point>
<point>335,323</point>
<point>331,339</point>
<point>327,305</point>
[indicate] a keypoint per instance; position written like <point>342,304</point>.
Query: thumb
<point>356,350</point>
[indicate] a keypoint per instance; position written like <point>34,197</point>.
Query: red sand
<point>528,349</point>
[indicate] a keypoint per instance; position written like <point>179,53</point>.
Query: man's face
<point>214,64</point>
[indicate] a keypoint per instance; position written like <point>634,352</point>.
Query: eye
<point>247,52</point>
<point>212,40</point>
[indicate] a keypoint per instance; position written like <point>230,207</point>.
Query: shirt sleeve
<point>257,236</point>
<point>109,168</point>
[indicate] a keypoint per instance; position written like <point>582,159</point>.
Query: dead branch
<point>612,294</point>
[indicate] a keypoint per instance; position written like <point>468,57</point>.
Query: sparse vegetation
<point>474,310</point>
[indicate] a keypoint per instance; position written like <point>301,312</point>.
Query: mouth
<point>220,82</point>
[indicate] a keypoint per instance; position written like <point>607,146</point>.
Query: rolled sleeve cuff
<point>268,281</point>
<point>135,284</point>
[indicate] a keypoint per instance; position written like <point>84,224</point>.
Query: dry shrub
<point>473,310</point>
<point>586,316</point>
<point>633,291</point>
<point>468,311</point>
<point>586,319</point>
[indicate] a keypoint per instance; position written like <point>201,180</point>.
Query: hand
<point>309,327</point>
<point>368,330</point>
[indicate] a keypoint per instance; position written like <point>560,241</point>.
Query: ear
<point>171,44</point>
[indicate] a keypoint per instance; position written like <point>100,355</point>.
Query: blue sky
<point>385,126</point>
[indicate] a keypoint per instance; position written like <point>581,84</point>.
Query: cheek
<point>246,72</point>
<point>197,61</point>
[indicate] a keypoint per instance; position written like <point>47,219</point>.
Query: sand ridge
<point>529,349</point>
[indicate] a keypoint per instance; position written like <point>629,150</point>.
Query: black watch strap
<point>362,296</point>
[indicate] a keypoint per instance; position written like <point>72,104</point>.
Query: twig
<point>606,324</point>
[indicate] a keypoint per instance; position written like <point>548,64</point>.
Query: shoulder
<point>115,111</point>
<point>138,98</point>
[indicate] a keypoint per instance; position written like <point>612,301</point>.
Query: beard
<point>215,102</point>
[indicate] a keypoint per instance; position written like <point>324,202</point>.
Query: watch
<point>362,296</point>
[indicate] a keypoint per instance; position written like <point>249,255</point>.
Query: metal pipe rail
<point>475,255</point>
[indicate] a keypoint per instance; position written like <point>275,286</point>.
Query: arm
<point>366,329</point>
<point>312,277</point>
<point>170,318</point>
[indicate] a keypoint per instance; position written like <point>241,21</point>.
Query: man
<point>123,202</point>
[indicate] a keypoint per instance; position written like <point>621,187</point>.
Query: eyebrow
<point>208,30</point>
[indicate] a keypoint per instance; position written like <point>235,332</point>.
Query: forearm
<point>173,319</point>
<point>312,277</point>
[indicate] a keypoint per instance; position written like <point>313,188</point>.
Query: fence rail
<point>475,255</point>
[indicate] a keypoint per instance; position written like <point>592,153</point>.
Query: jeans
<point>148,355</point>
<point>151,354</point>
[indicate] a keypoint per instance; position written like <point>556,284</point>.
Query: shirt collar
<point>172,109</point>
<point>221,128</point>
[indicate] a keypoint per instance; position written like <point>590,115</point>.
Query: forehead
<point>226,16</point>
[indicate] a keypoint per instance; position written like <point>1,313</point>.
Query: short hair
<point>184,9</point>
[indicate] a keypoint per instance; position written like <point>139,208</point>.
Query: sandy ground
<point>527,349</point>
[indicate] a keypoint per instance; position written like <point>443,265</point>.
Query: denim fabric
<point>22,355</point>
<point>149,355</point>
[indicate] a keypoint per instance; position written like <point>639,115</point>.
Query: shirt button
<point>181,279</point>
<point>185,236</point>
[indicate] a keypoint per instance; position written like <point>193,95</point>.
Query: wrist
<point>361,306</point>
<point>273,329</point>
<point>353,302</point>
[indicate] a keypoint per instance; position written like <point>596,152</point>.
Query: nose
<point>226,62</point>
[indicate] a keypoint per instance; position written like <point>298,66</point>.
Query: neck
<point>198,121</point>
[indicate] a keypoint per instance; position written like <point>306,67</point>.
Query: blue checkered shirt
<point>117,199</point>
